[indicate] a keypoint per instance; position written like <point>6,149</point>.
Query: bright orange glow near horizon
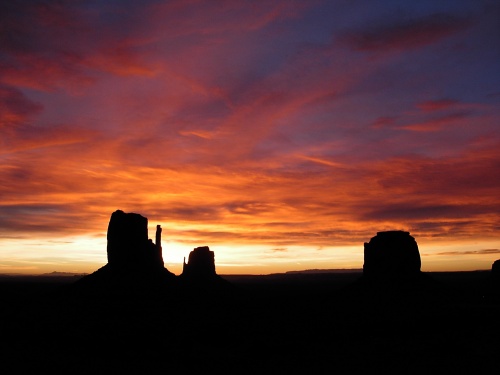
<point>281,134</point>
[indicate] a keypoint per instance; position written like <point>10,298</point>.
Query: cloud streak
<point>473,252</point>
<point>407,34</point>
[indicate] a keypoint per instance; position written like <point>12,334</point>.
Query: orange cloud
<point>471,252</point>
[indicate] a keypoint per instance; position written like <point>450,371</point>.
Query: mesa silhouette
<point>199,271</point>
<point>391,254</point>
<point>391,271</point>
<point>135,262</point>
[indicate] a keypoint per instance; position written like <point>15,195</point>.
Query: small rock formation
<point>198,274</point>
<point>391,253</point>
<point>201,263</point>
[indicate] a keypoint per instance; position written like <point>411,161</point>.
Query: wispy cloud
<point>437,123</point>
<point>470,252</point>
<point>15,107</point>
<point>407,34</point>
<point>279,249</point>
<point>436,105</point>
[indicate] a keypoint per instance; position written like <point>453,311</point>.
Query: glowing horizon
<point>281,134</point>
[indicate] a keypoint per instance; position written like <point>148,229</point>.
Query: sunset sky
<point>281,134</point>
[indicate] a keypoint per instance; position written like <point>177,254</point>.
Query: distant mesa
<point>325,270</point>
<point>391,254</point>
<point>62,274</point>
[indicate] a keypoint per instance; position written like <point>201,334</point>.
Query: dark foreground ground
<point>310,324</point>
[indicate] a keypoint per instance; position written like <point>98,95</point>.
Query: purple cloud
<point>408,34</point>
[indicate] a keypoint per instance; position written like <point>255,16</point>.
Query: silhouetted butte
<point>392,268</point>
<point>199,271</point>
<point>391,254</point>
<point>134,261</point>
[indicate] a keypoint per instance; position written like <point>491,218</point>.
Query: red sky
<point>282,134</point>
